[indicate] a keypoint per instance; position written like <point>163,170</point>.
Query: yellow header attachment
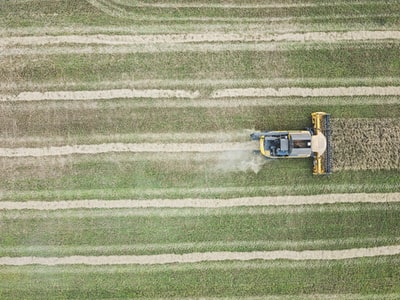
<point>321,143</point>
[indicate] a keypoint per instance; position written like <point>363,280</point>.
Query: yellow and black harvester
<point>313,142</point>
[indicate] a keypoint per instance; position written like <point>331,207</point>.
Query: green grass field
<point>199,48</point>
<point>228,279</point>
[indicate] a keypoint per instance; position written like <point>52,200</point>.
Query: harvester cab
<point>313,142</point>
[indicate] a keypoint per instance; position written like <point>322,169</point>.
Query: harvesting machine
<point>313,142</point>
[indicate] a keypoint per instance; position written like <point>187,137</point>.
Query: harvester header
<point>313,142</point>
<point>321,142</point>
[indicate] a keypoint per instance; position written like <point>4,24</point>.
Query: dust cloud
<point>240,161</point>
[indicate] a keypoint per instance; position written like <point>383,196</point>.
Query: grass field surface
<point>126,165</point>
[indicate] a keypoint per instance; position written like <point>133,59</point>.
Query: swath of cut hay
<point>244,36</point>
<point>202,203</point>
<point>197,257</point>
<point>362,144</point>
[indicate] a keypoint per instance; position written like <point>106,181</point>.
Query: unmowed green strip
<point>213,246</point>
<point>365,177</point>
<point>378,22</point>
<point>350,61</point>
<point>55,13</point>
<point>350,9</point>
<point>170,226</point>
<point>366,276</point>
<point>72,13</point>
<point>118,176</point>
<point>52,119</point>
<point>205,86</point>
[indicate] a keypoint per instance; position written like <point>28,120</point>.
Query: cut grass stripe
<point>101,94</point>
<point>220,93</point>
<point>308,92</point>
<point>235,102</point>
<point>165,137</point>
<point>91,48</point>
<point>120,147</point>
<point>152,48</point>
<point>204,203</point>
<point>204,37</point>
<point>274,265</point>
<point>202,83</point>
<point>203,257</point>
<point>224,212</point>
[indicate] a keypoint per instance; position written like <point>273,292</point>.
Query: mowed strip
<point>102,94</point>
<point>164,137</point>
<point>200,38</point>
<point>208,47</point>
<point>220,93</point>
<point>204,203</point>
<point>120,147</point>
<point>308,92</point>
<point>233,102</point>
<point>204,257</point>
<point>209,83</point>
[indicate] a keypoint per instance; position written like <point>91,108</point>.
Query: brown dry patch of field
<point>361,144</point>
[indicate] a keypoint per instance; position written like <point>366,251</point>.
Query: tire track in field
<point>132,147</point>
<point>102,39</point>
<point>204,203</point>
<point>217,94</point>
<point>204,257</point>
